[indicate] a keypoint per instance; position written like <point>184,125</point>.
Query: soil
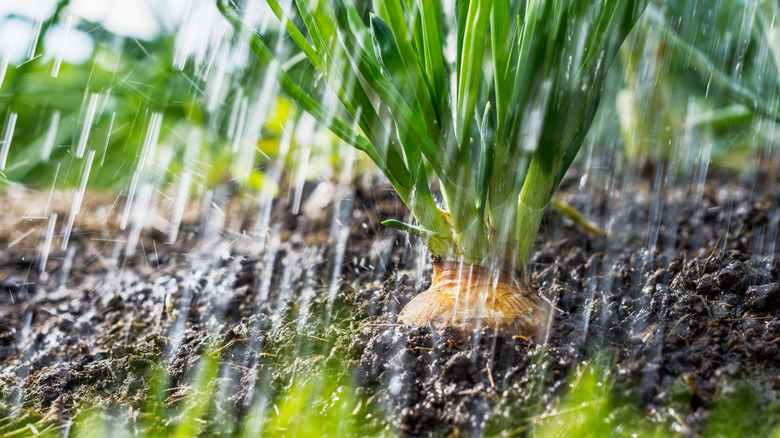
<point>683,298</point>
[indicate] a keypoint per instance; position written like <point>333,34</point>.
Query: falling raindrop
<point>8,135</point>
<point>78,198</point>
<point>62,45</point>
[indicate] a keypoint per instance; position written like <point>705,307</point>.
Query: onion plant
<point>491,99</point>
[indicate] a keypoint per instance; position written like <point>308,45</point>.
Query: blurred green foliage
<point>702,74</point>
<point>108,104</point>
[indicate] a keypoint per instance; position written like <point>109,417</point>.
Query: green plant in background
<point>729,47</point>
<point>102,105</point>
<point>701,72</point>
<point>649,118</point>
<point>494,97</point>
<point>127,97</point>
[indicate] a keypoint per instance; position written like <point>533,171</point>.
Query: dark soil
<point>683,296</point>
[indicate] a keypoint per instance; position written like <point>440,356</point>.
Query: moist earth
<point>681,297</point>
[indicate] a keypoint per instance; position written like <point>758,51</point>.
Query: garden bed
<point>676,313</point>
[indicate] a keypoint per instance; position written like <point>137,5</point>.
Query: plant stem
<point>469,231</point>
<point>534,197</point>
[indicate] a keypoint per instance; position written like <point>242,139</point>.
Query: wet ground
<point>682,301</point>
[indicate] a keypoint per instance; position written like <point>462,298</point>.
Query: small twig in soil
<point>316,337</point>
<point>706,262</point>
<point>454,345</point>
<point>240,367</point>
<point>228,345</point>
<point>516,432</point>
<point>172,401</point>
<point>470,391</point>
<point>648,333</point>
<point>679,322</point>
<point>748,318</point>
<point>175,388</point>
<point>387,324</point>
<point>680,422</point>
<point>490,376</point>
<point>691,381</point>
<point>615,357</point>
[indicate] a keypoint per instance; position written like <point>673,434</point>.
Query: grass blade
<point>343,80</point>
<point>402,226</point>
<point>565,209</point>
<point>318,29</point>
<point>417,32</point>
<point>485,166</point>
<point>297,36</point>
<point>391,11</point>
<point>462,11</point>
<point>386,52</point>
<point>470,72</point>
<point>433,53</point>
<point>502,37</point>
<point>368,66</point>
<point>264,55</point>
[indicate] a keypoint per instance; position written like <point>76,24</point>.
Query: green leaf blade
<point>470,69</point>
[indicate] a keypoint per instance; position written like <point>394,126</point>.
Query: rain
<point>192,238</point>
